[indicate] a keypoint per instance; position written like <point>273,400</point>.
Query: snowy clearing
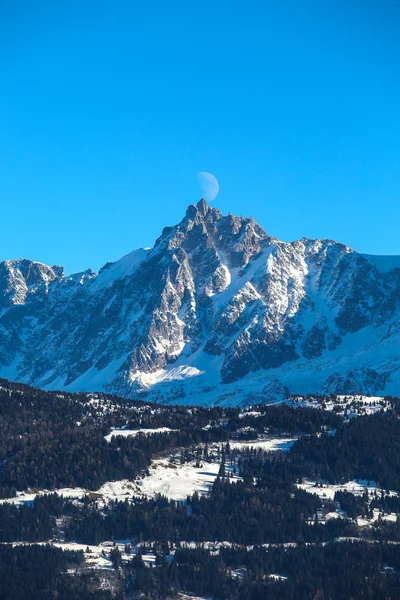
<point>176,481</point>
<point>250,413</point>
<point>30,495</point>
<point>135,432</point>
<point>166,476</point>
<point>357,487</point>
<point>390,517</point>
<point>268,444</point>
<point>326,490</point>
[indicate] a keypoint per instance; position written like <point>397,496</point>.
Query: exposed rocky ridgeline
<point>217,310</point>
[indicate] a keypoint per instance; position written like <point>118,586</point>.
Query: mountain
<point>217,311</point>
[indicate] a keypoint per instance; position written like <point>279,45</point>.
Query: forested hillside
<point>135,500</point>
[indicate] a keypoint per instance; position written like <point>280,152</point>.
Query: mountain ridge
<point>216,311</point>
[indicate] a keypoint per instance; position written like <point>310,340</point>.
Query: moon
<point>209,185</point>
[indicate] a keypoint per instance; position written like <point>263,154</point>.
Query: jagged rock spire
<point>199,209</point>
<point>202,206</point>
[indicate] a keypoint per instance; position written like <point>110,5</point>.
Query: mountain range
<point>217,311</point>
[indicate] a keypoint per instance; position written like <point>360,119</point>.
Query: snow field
<point>135,432</point>
<point>176,481</point>
<point>328,491</point>
<point>267,444</point>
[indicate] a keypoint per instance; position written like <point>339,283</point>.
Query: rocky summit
<point>218,311</point>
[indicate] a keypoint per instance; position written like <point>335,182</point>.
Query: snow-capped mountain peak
<point>216,310</point>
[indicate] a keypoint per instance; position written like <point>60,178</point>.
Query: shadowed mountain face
<point>217,310</point>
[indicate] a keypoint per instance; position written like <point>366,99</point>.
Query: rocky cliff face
<point>217,310</point>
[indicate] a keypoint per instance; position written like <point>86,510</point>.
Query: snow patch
<point>267,445</point>
<point>123,267</point>
<point>135,432</point>
<point>180,373</point>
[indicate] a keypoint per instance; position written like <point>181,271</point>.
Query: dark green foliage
<point>233,512</point>
<point>50,440</point>
<point>30,522</point>
<point>354,506</point>
<point>288,419</point>
<point>54,439</point>
<point>39,573</point>
<point>367,447</point>
<point>335,571</point>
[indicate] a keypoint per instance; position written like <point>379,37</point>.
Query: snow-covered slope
<point>216,311</point>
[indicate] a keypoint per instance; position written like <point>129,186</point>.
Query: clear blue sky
<point>108,109</point>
